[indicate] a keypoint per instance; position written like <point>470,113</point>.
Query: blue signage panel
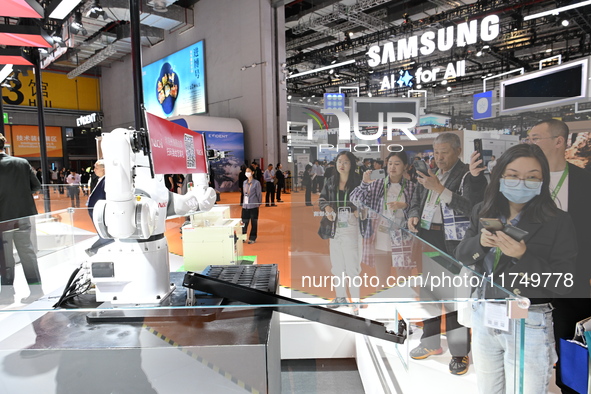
<point>334,101</point>
<point>482,105</point>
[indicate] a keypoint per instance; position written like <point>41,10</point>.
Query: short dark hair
<point>556,127</point>
<point>2,141</point>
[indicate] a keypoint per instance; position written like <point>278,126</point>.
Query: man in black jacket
<point>19,183</point>
<point>570,187</point>
<point>459,187</point>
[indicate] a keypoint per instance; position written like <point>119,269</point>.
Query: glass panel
<point>142,335</point>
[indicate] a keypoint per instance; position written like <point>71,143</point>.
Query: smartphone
<point>377,174</point>
<point>478,148</point>
<point>492,225</point>
<point>515,232</point>
<point>421,166</point>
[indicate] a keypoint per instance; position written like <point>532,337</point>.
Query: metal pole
<point>1,113</point>
<point>136,58</point>
<point>41,120</point>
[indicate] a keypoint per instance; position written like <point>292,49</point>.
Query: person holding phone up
<point>389,198</point>
<point>455,186</point>
<point>518,194</point>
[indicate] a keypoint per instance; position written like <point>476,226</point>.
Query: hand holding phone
<point>421,167</point>
<point>478,148</point>
<point>377,174</point>
<point>493,225</point>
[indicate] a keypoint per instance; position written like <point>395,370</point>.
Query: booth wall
<point>236,34</point>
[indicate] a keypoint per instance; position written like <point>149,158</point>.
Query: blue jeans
<point>496,353</point>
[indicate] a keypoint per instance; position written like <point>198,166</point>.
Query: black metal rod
<point>1,112</point>
<point>42,139</point>
<point>290,306</point>
<point>136,59</point>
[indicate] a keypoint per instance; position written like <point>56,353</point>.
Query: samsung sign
<point>467,33</point>
<point>86,120</point>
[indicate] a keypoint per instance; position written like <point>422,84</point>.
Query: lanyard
<point>498,254</point>
<point>344,202</point>
<point>429,195</point>
<point>386,196</point>
<point>560,182</point>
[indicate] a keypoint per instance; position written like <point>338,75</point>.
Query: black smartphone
<point>492,224</point>
<point>421,167</point>
<point>478,148</point>
<point>515,232</point>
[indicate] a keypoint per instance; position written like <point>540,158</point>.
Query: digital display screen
<point>545,88</point>
<point>175,85</point>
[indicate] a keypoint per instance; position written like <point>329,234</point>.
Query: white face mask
<point>249,174</point>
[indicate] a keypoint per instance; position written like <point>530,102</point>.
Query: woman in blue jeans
<point>518,194</point>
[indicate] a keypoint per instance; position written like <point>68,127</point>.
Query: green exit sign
<point>5,117</point>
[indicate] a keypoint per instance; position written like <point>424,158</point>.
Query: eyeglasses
<point>535,140</point>
<point>513,181</point>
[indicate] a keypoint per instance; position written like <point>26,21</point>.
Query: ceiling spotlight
<point>444,82</point>
<point>289,97</point>
<point>479,53</point>
<point>76,27</point>
<point>350,34</point>
<point>565,22</point>
<point>77,24</point>
<point>485,47</point>
<point>331,71</point>
<point>96,10</point>
<point>158,5</point>
<point>369,94</point>
<point>333,61</point>
<point>449,88</point>
<point>419,86</point>
<point>548,50</point>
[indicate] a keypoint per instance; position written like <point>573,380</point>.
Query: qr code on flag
<point>190,151</point>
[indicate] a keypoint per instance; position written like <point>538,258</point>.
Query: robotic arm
<point>135,268</point>
<point>138,204</point>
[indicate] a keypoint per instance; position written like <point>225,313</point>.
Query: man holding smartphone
<point>426,218</point>
<point>570,186</point>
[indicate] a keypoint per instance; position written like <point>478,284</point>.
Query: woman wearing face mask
<point>518,194</point>
<point>253,197</point>
<point>389,199</point>
<point>345,245</point>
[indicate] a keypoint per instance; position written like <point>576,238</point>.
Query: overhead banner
<point>25,141</point>
<point>175,149</point>
<point>57,90</point>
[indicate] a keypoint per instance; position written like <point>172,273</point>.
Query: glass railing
<point>379,320</point>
